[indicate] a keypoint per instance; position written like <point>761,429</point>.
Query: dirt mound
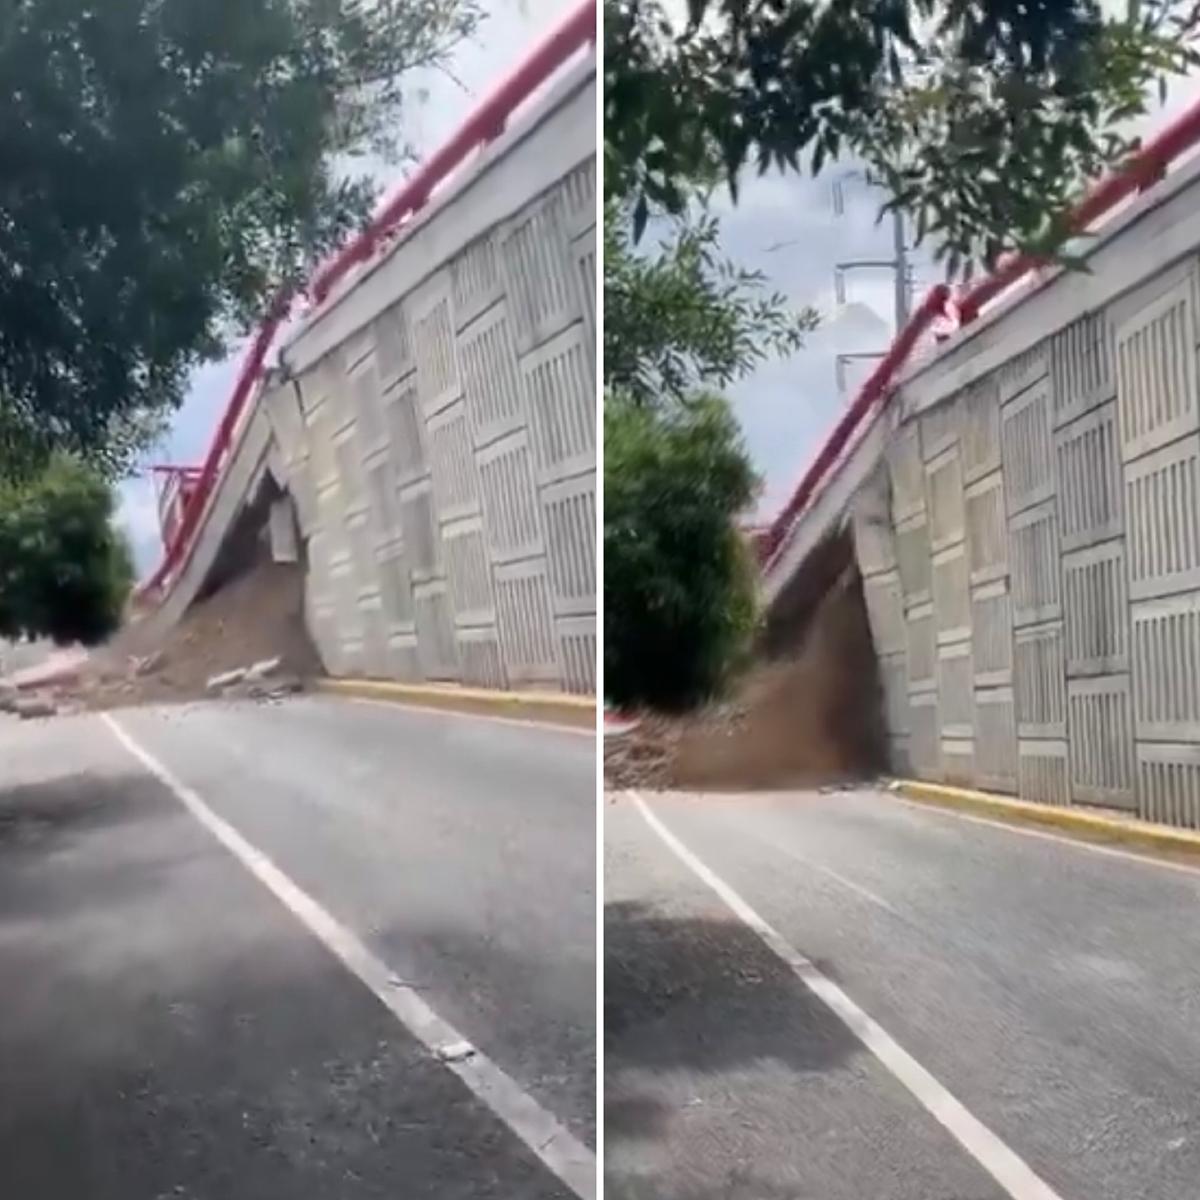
<point>811,717</point>
<point>258,615</point>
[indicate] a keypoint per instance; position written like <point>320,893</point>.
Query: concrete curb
<point>554,708</point>
<point>1081,822</point>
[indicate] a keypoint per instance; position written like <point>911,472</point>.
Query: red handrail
<point>485,123</point>
<point>1145,168</point>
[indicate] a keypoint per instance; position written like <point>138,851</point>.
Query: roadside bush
<point>679,585</point>
<point>65,571</point>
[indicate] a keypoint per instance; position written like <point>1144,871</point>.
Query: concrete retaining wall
<point>1029,534</point>
<point>436,420</point>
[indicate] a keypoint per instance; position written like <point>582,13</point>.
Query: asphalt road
<point>168,1028</point>
<point>1053,990</point>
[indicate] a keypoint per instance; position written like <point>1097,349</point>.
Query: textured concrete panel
<point>437,647</point>
<point>940,428</point>
<point>871,516</point>
<point>393,345</point>
<point>1081,366</point>
<point>468,572</point>
<point>395,588</point>
<point>956,690</point>
<point>526,622</point>
<point>908,474</point>
<point>452,461</point>
<point>538,272</point>
<point>1168,783</point>
<point>1033,554</point>
<point>1156,374</point>
<point>510,499</point>
<point>1027,450</point>
<point>1101,740</point>
<point>435,346</point>
<point>1042,772</point>
<point>561,387</point>
<point>991,633</point>
<point>921,647</point>
<point>958,761</point>
<point>885,611</point>
<point>996,739</point>
<point>893,675</point>
<point>577,652</point>
<point>1166,667</point>
<point>951,596</point>
<point>569,518</point>
<point>421,536</point>
<point>1040,681</point>
<point>987,529</point>
<point>981,429</point>
<point>1162,498</point>
<point>925,743</point>
<point>406,432</point>
<point>366,393</point>
<point>493,385</point>
<point>475,281</point>
<point>1089,478</point>
<point>1096,610</point>
<point>481,663</point>
<point>914,559</point>
<point>944,476</point>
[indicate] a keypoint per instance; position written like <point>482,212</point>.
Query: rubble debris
<point>29,708</point>
<point>255,622</point>
<point>811,717</point>
<point>263,668</point>
<point>226,680</point>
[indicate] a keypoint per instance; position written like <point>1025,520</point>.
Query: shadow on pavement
<point>688,997</point>
<point>169,1030</point>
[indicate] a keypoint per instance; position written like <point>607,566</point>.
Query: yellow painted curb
<point>1079,821</point>
<point>555,708</point>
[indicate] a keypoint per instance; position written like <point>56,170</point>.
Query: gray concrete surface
<point>1054,990</point>
<point>170,1030</point>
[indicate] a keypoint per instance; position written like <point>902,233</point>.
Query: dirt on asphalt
<point>256,616</point>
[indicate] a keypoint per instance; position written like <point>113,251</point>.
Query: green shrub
<point>679,585</point>
<point>65,571</point>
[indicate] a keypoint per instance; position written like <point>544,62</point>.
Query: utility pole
<point>898,263</point>
<point>901,252</point>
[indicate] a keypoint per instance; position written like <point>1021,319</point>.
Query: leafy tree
<point>685,316</point>
<point>679,601</point>
<point>981,117</point>
<point>65,572</point>
<point>165,167</point>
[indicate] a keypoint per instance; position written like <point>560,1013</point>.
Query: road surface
<point>1041,996</point>
<point>179,1021</point>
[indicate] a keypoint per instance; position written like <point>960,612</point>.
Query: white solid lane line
<point>568,1158</point>
<point>1010,1171</point>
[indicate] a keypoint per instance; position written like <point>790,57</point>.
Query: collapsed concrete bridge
<point>425,445</point>
<point>1024,500</point>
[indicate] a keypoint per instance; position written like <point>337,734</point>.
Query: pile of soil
<point>256,616</point>
<point>810,717</point>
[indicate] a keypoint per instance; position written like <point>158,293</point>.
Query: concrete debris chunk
<point>148,663</point>
<point>218,683</point>
<point>453,1052</point>
<point>31,707</point>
